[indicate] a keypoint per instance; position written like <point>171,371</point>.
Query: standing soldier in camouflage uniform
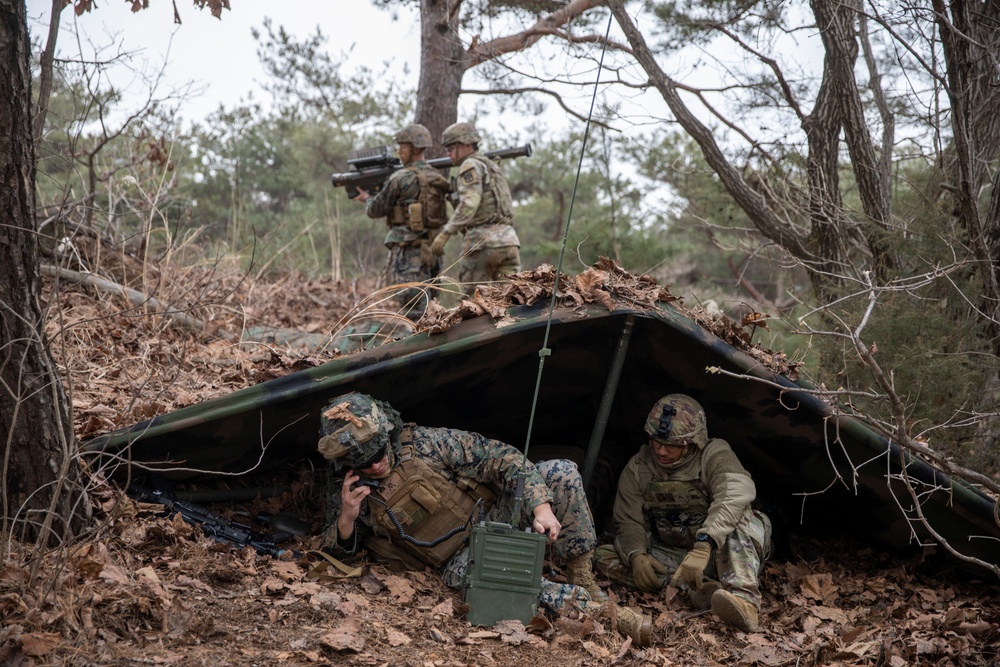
<point>683,509</point>
<point>435,479</point>
<point>412,201</point>
<point>484,212</point>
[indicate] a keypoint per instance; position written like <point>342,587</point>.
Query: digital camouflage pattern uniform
<point>484,215</point>
<point>660,511</point>
<point>406,236</point>
<point>462,454</point>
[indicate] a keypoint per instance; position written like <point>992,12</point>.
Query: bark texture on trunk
<point>39,475</point>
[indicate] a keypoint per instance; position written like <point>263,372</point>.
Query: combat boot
<point>735,611</point>
<point>580,572</point>
<point>635,625</point>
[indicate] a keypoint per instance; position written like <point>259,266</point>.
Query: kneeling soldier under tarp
<point>407,486</point>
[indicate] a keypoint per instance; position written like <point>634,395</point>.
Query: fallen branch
<point>134,297</point>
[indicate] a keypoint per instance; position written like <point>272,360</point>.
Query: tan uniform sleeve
<point>630,522</point>
<point>469,188</point>
<point>731,487</point>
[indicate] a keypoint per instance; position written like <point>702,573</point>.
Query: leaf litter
<point>143,589</point>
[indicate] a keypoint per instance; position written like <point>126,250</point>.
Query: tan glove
<point>644,569</point>
<point>692,568</point>
<point>439,242</point>
<point>426,254</point>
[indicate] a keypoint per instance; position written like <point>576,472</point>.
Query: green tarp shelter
<point>604,372</point>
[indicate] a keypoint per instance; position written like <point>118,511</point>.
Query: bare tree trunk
<point>444,59</point>
<point>960,56</point>
<point>45,70</point>
<point>39,473</point>
<point>836,21</point>
<point>442,66</point>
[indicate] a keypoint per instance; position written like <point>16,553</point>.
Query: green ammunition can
<point>504,577</point>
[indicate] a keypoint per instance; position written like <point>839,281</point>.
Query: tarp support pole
<point>610,389</point>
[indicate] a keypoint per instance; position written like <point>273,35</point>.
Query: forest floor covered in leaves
<point>142,589</point>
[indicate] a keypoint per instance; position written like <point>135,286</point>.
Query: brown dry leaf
<point>596,650</point>
<point>89,569</point>
<point>38,644</point>
<point>400,588</point>
<point>325,597</point>
<point>512,632</point>
<point>113,574</point>
<point>397,638</point>
<point>830,614</point>
<point>768,655</point>
<point>590,280</point>
<point>346,636</point>
<point>272,585</point>
<point>857,650</point>
<point>287,570</point>
<point>444,608</point>
<point>148,576</point>
<point>11,603</point>
<point>440,636</point>
<point>184,581</point>
<point>928,595</point>
<point>977,628</point>
<point>819,587</point>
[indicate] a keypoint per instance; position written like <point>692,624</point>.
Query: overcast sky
<point>220,55</point>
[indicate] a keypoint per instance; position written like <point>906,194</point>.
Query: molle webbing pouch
<point>676,510</point>
<point>415,217</point>
<point>397,216</point>
<point>501,193</point>
<point>433,189</point>
<point>425,505</point>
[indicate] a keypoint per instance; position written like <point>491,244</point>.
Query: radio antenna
<point>545,351</point>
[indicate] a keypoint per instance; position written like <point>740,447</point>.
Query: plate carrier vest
<point>426,504</point>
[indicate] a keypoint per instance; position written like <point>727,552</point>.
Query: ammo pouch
<point>426,505</point>
<point>675,511</point>
<point>429,211</point>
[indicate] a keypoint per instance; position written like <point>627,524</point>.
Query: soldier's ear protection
<point>666,423</point>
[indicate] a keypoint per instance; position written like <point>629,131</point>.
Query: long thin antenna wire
<point>545,351</point>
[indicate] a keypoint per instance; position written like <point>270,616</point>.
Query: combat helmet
<point>460,133</point>
<point>356,430</point>
<point>418,135</point>
<point>678,417</point>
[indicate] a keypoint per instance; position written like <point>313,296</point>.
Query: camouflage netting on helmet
<point>460,133</point>
<point>354,427</point>
<point>678,417</point>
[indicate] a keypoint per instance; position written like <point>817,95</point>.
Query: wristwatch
<point>705,537</point>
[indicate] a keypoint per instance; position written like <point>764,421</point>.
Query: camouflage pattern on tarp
<point>479,376</point>
<point>365,333</point>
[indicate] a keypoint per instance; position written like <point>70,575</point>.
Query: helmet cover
<point>418,135</point>
<point>356,430</point>
<point>460,133</point>
<point>678,417</point>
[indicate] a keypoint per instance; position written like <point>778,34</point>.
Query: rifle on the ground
<point>219,528</point>
<point>373,166</point>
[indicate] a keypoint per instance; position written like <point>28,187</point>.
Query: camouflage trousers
<point>577,536</point>
<point>405,266</point>
<point>737,563</point>
<point>486,265</point>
